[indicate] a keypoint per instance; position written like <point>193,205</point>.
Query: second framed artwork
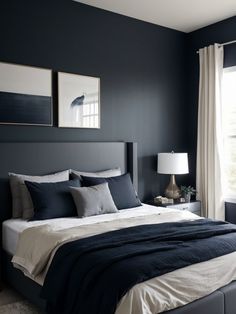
<point>79,101</point>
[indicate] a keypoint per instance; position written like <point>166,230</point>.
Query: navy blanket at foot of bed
<point>91,275</point>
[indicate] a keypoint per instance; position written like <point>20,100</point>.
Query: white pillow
<point>102,174</point>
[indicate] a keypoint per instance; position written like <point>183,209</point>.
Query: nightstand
<point>193,206</point>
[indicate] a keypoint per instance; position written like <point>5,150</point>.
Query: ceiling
<point>182,15</point>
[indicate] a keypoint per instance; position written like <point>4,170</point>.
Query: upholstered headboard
<point>43,158</point>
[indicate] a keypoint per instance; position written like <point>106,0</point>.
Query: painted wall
<point>142,69</point>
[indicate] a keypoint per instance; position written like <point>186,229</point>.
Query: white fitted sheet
<point>11,231</point>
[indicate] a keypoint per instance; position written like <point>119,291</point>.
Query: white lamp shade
<point>172,163</point>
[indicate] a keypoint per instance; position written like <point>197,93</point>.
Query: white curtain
<point>210,139</point>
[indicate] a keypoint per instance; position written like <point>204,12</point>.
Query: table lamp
<point>172,163</point>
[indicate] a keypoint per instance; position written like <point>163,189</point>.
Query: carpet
<point>13,303</point>
<point>22,307</point>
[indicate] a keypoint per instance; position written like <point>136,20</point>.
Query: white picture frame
<point>78,101</point>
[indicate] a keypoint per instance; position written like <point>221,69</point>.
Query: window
<point>229,130</point>
<point>90,114</point>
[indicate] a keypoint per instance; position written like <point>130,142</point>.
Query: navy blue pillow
<point>52,200</point>
<point>121,188</point>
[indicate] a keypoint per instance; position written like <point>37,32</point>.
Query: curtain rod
<point>224,44</point>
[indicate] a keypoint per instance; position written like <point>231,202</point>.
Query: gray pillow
<point>93,200</point>
<point>106,173</point>
<point>22,206</point>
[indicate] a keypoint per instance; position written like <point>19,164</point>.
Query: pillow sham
<point>104,174</point>
<point>94,200</point>
<point>21,201</point>
<point>121,188</point>
<point>52,200</point>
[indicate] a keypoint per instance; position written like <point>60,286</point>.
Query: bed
<point>23,157</point>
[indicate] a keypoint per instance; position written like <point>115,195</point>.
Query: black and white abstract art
<point>79,101</point>
<point>25,95</point>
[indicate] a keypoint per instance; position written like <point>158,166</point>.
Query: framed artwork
<point>79,101</point>
<point>25,95</point>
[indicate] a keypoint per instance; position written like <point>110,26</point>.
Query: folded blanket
<point>91,275</point>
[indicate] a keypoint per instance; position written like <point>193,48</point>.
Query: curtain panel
<point>210,138</point>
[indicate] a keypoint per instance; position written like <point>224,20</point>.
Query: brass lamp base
<point>172,190</point>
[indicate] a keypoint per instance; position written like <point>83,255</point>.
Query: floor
<point>13,303</point>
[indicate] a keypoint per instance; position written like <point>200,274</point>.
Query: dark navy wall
<point>221,32</point>
<point>142,69</point>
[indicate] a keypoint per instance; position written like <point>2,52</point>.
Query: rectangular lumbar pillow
<point>121,188</point>
<point>52,200</point>
<point>22,206</point>
<point>104,174</point>
<point>94,200</point>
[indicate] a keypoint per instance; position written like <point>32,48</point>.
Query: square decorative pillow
<point>52,200</point>
<point>121,188</point>
<point>94,200</point>
<point>21,201</point>
<point>104,174</point>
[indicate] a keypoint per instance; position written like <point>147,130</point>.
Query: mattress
<point>12,228</point>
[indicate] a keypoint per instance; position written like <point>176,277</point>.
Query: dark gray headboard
<point>43,158</point>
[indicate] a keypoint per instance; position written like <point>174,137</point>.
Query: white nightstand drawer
<point>194,207</point>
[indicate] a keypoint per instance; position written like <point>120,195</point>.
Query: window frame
<point>230,198</point>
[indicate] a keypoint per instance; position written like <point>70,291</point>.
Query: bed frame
<point>43,158</point>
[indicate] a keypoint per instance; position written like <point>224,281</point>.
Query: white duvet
<point>159,294</point>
